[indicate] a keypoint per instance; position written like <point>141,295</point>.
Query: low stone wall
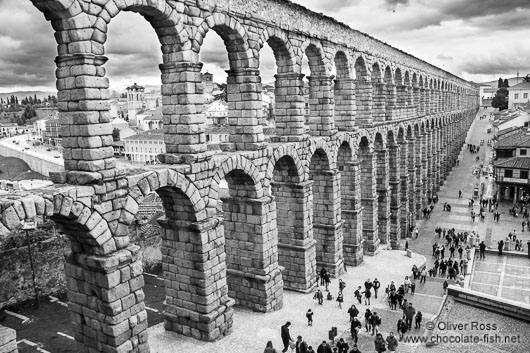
<point>488,302</point>
<point>16,284</point>
<point>8,340</point>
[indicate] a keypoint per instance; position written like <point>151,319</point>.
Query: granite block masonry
<point>323,192</point>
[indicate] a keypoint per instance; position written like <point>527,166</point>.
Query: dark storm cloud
<point>483,14</point>
<point>392,4</point>
<point>499,62</point>
<point>469,9</point>
<point>27,44</point>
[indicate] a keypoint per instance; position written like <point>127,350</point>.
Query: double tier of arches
<point>345,181</point>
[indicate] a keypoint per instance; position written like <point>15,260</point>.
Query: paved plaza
<point>503,276</point>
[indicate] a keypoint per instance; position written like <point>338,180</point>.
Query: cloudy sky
<point>478,40</point>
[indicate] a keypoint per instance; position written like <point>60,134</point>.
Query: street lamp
<point>28,225</point>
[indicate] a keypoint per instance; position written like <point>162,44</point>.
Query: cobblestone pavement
<point>252,330</point>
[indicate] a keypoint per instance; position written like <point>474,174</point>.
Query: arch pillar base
<point>296,245</point>
<point>353,245</point>
<point>254,278</point>
<point>197,302</point>
<point>106,301</point>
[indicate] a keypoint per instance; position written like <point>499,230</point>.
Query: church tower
<point>135,99</point>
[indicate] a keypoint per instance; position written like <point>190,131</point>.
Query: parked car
<point>48,149</point>
<point>57,156</point>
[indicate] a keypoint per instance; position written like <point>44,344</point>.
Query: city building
<point>512,166</point>
<point>216,113</point>
<point>519,95</point>
<point>9,129</point>
<point>52,132</point>
<point>144,147</point>
<point>150,119</point>
<point>207,83</point>
<point>135,99</point>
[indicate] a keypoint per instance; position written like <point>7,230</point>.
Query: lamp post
<point>28,225</point>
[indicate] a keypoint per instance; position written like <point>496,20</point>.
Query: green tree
<point>526,78</point>
<point>221,96</point>
<point>501,99</point>
<point>500,83</point>
<point>506,83</point>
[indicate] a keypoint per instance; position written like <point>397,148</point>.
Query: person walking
<point>482,250</point>
<point>342,346</point>
<point>342,285</point>
<point>460,193</point>
<point>353,312</point>
<point>340,299</point>
<point>418,319</point>
<point>500,247</point>
<point>401,328</point>
<point>423,275</point>
<point>412,287</point>
<point>409,314</point>
<point>319,296</point>
<point>392,342</point>
<point>309,316</point>
<point>358,295</point>
<point>375,321</point>
<point>377,285</point>
<point>324,348</point>
<point>367,295</point>
<point>355,326</point>
<point>379,343</point>
<point>286,336</point>
<point>368,320</point>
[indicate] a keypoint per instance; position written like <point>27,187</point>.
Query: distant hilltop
<point>21,94</point>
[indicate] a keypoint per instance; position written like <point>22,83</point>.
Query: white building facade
<point>519,95</point>
<point>144,147</point>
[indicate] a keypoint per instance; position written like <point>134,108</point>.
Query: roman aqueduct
<point>326,190</point>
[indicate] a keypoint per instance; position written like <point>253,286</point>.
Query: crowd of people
<point>371,320</point>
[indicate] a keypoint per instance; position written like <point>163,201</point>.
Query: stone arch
<point>321,144</point>
<point>233,35</point>
<point>281,48</point>
<point>390,93</point>
<point>398,77</point>
<point>314,51</point>
<point>344,93</point>
<point>295,169</point>
<point>57,10</point>
<point>342,65</point>
<point>363,93</point>
<point>244,169</point>
<point>378,94</point>
<point>180,196</point>
<point>86,228</point>
<point>327,224</point>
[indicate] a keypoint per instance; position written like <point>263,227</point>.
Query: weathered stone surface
<point>329,189</point>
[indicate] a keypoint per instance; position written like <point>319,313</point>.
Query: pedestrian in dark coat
<point>286,336</point>
<point>324,348</point>
<point>379,343</point>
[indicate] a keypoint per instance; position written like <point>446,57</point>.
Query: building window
<point>523,174</point>
<point>525,95</point>
<point>516,96</point>
<point>508,173</point>
<point>522,152</point>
